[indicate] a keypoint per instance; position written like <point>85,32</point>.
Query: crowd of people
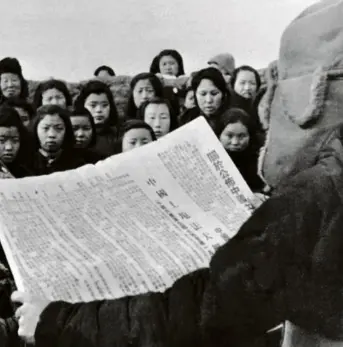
<point>283,267</point>
<point>52,131</point>
<point>56,132</point>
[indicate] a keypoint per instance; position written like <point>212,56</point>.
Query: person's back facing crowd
<point>56,131</point>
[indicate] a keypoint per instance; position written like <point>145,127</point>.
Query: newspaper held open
<point>132,223</point>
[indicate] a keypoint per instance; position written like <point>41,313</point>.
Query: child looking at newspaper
<point>144,87</point>
<point>13,142</point>
<point>85,135</point>
<point>52,92</point>
<point>97,98</point>
<point>159,114</point>
<point>236,133</point>
<point>134,133</point>
<point>53,141</point>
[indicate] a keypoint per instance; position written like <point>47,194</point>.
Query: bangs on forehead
<point>56,118</point>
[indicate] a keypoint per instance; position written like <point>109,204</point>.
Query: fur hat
<point>225,61</point>
<point>10,65</point>
<point>307,95</point>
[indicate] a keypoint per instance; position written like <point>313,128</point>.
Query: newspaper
<point>133,223</point>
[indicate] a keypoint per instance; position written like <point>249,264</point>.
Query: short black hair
<point>106,68</point>
<point>98,87</point>
<point>51,84</point>
<point>132,124</point>
<point>159,101</point>
<point>155,64</point>
<point>9,117</point>
<point>131,112</point>
<point>246,68</point>
<point>69,140</point>
<point>82,111</point>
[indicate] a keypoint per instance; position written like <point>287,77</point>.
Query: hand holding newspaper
<point>132,223</point>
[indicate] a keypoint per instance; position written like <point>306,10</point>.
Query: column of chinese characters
<point>229,181</point>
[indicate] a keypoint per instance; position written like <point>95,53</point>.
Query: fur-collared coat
<point>285,263</point>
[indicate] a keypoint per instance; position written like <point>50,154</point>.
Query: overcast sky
<point>69,39</point>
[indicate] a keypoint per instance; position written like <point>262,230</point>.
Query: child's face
<point>51,131</point>
<point>54,97</point>
<point>245,84</point>
<point>135,138</point>
<point>158,117</point>
<point>83,131</point>
<point>99,107</point>
<point>209,97</point>
<point>9,144</point>
<point>189,100</point>
<point>235,137</point>
<point>24,116</point>
<point>143,91</point>
<point>10,85</point>
<point>169,66</point>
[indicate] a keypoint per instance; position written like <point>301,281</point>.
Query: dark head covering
<point>156,84</point>
<point>158,101</point>
<point>98,87</point>
<point>12,65</point>
<point>51,84</point>
<point>155,65</point>
<point>129,125</point>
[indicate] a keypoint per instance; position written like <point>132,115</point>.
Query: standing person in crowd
<point>97,98</point>
<point>225,63</point>
<point>85,135</point>
<point>134,133</point>
<point>53,141</point>
<point>12,82</point>
<point>144,87</point>
<point>246,83</point>
<point>52,92</point>
<point>24,109</point>
<point>211,97</point>
<point>159,114</point>
<point>238,137</point>
<point>104,71</point>
<point>14,142</point>
<point>168,62</point>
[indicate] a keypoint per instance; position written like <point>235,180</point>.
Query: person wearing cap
<point>225,63</point>
<point>286,261</point>
<point>12,82</point>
